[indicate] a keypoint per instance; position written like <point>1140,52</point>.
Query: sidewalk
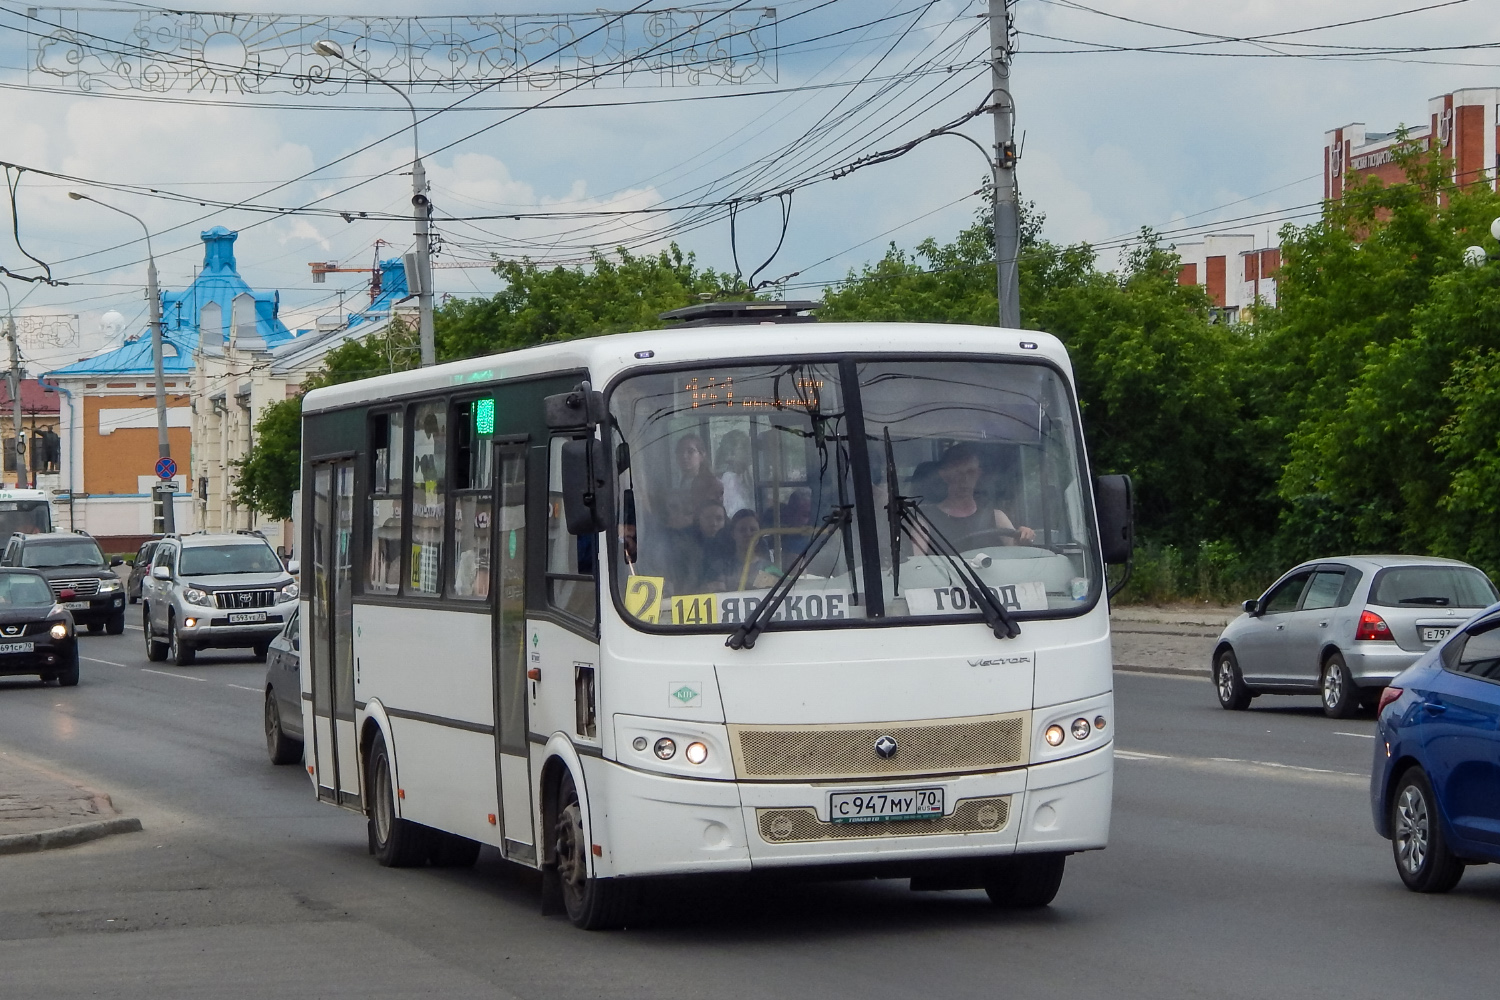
<point>41,809</point>
<point>1167,639</point>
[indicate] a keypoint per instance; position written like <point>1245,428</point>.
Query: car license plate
<point>1435,634</point>
<point>17,647</point>
<point>77,605</point>
<point>246,617</point>
<point>884,806</point>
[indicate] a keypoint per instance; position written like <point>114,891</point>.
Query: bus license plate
<point>884,806</point>
<point>77,605</point>
<point>247,617</point>
<point>1435,634</point>
<point>17,647</point>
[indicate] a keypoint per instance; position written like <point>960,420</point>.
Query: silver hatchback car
<point>1343,628</point>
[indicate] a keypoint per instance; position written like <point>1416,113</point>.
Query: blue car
<point>1435,786</point>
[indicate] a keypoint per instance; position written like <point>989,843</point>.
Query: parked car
<point>283,712</point>
<point>139,567</point>
<point>1342,628</point>
<point>73,561</point>
<point>36,633</point>
<point>1435,786</point>
<point>214,591</point>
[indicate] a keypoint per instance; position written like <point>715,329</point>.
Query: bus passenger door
<point>331,642</point>
<point>512,754</point>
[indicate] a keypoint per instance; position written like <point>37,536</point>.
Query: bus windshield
<point>29,516</point>
<point>731,478</point>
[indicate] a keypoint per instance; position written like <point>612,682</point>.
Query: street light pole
<point>13,380</point>
<point>421,205</point>
<point>163,442</point>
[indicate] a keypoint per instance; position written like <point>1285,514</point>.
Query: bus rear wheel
<point>1026,881</point>
<point>397,843</point>
<point>592,903</point>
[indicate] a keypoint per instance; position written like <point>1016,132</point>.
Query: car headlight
<point>109,586</point>
<point>195,596</point>
<point>287,593</point>
<point>60,630</point>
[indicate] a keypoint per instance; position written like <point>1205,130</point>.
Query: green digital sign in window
<point>484,417</point>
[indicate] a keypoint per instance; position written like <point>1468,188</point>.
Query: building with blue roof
<point>227,355</point>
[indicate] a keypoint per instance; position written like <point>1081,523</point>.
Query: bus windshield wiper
<point>744,636</point>
<point>995,615</point>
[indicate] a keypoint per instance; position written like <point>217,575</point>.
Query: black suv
<point>81,579</point>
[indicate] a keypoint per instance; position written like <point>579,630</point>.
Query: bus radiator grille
<point>838,752</point>
<point>800,825</point>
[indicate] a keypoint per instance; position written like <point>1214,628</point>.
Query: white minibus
<point>752,594</point>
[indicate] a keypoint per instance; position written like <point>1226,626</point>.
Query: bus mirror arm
<point>585,487</point>
<point>583,407</point>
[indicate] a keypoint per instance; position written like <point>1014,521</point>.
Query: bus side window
<point>383,541</point>
<point>572,569</point>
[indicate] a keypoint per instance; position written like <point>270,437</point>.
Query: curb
<point>67,836</point>
<point>1130,668</point>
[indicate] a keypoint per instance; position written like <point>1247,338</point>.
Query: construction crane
<point>321,269</point>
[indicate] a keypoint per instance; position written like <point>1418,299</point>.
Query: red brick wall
<point>1468,128</point>
<point>1215,280</point>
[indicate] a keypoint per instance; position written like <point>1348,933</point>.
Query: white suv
<point>214,591</point>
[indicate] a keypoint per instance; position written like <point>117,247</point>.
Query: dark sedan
<point>36,633</point>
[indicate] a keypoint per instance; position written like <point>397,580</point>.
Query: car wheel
<point>116,624</point>
<point>397,843</point>
<point>1340,693</point>
<point>95,627</point>
<point>261,649</point>
<point>156,650</point>
<point>68,676</point>
<point>592,903</point>
<point>1228,683</point>
<point>281,747</point>
<point>179,651</point>
<point>1423,858</point>
<point>1026,881</point>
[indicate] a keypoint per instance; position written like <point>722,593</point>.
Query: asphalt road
<point>1242,864</point>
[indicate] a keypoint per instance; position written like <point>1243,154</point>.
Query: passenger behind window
<point>733,465</point>
<point>690,456</point>
<point>751,558</point>
<point>716,546</point>
<point>959,517</point>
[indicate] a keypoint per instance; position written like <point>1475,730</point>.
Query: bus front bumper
<point>651,824</point>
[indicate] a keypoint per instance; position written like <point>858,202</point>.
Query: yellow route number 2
<point>694,609</point>
<point>643,597</point>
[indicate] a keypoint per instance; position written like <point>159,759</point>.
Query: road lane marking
<point>1363,736</point>
<point>95,659</point>
<point>242,687</point>
<point>1257,768</point>
<point>167,673</point>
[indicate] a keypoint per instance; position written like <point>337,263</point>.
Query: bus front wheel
<point>592,903</point>
<point>1025,881</point>
<point>398,843</point>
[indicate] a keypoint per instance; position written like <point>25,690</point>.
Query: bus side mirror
<point>582,407</point>
<point>1114,501</point>
<point>585,487</point>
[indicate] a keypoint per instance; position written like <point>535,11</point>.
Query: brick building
<point>1235,273</point>
<point>1461,124</point>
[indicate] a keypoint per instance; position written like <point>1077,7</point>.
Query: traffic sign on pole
<point>165,468</point>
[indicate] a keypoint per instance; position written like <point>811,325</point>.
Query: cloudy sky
<point>1134,112</point>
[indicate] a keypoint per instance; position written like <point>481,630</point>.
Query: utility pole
<point>421,207</point>
<point>1007,206</point>
<point>165,492</point>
